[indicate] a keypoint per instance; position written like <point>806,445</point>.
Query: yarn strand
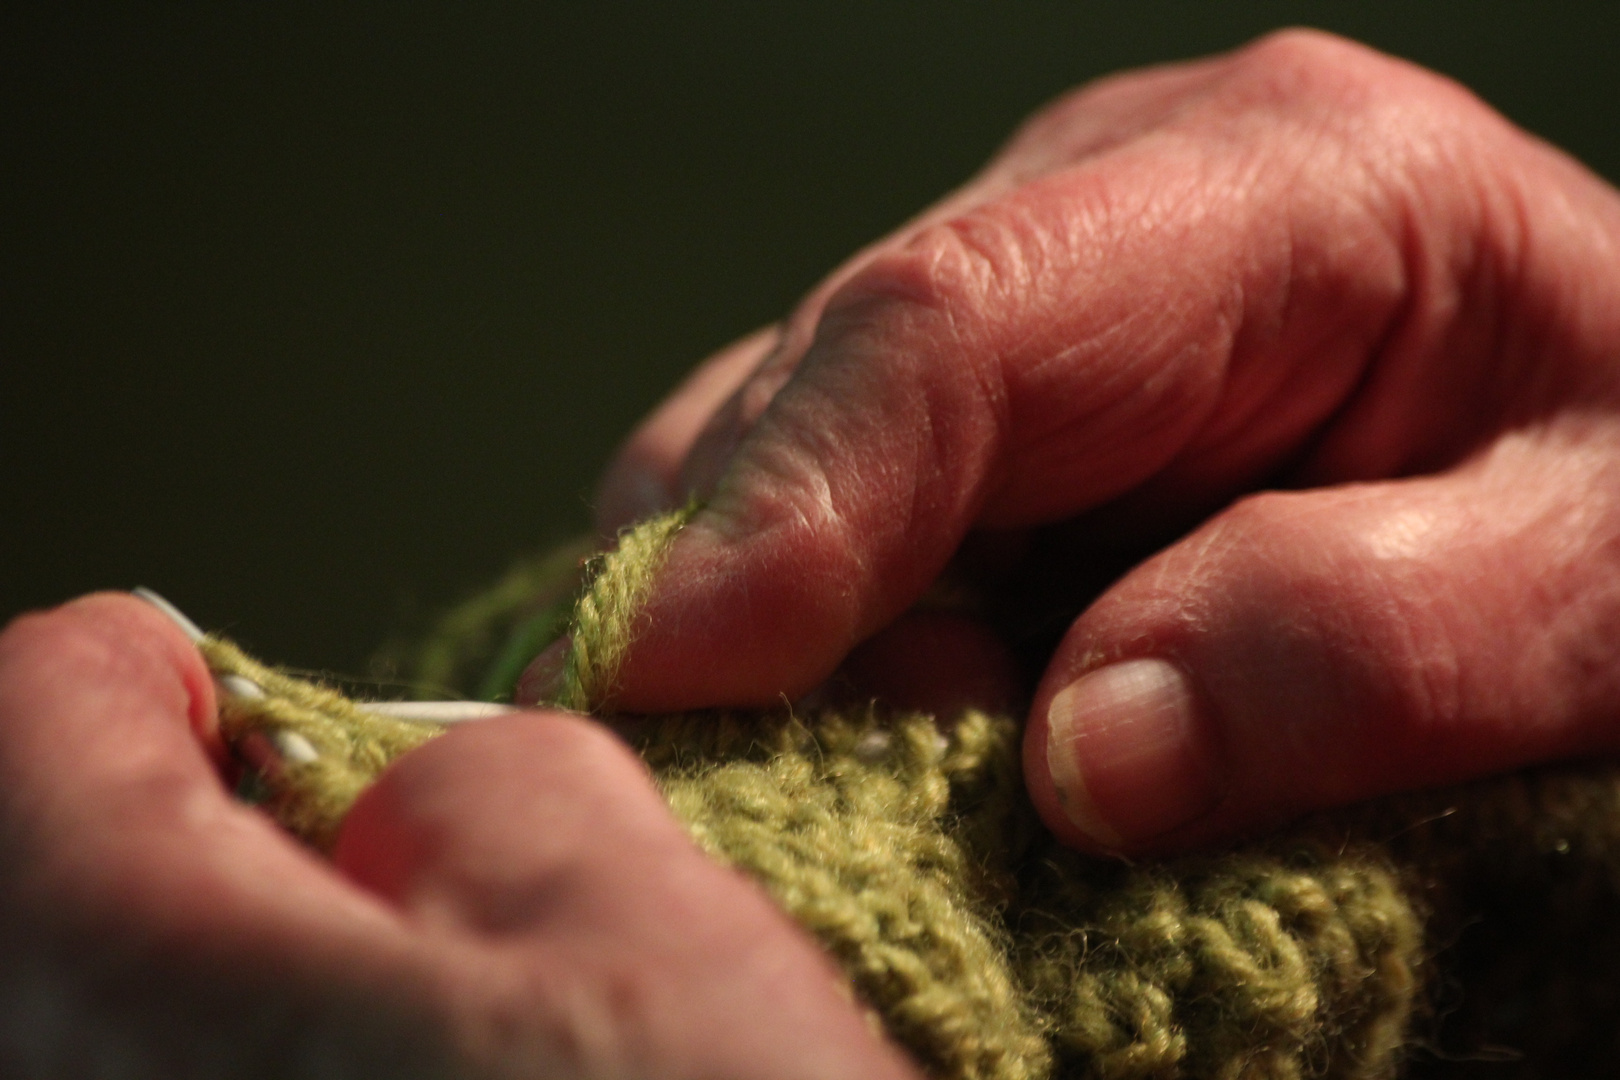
<point>607,613</point>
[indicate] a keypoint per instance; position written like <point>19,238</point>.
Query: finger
<point>1310,650</point>
<point>644,477</point>
<point>148,918</point>
<point>544,829</point>
<point>1178,315</point>
<point>936,662</point>
<point>1077,126</point>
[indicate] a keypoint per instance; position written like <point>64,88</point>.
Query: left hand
<point>512,900</point>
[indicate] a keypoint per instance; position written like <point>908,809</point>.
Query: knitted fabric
<point>1441,934</point>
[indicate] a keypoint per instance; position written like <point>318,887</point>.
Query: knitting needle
<point>288,747</point>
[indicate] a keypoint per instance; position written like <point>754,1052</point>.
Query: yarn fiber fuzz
<point>1460,933</point>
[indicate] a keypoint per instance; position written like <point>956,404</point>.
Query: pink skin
<point>1303,262</point>
<point>1302,266</point>
<point>513,900</point>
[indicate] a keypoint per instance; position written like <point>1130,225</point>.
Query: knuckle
<point>1352,89</point>
<point>1290,66</point>
<point>1356,587</point>
<point>937,313</point>
<point>955,286</point>
<point>1301,49</point>
<point>944,267</point>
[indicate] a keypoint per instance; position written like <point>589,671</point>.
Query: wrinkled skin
<point>1303,266</point>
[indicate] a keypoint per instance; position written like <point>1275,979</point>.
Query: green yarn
<point>990,951</point>
<point>483,644</point>
<point>498,632</point>
<point>605,617</point>
<point>850,823</point>
<point>352,745</point>
<point>1416,935</point>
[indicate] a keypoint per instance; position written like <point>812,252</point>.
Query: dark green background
<point>314,317</point>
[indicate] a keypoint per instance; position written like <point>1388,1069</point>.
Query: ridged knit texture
<point>1441,934</point>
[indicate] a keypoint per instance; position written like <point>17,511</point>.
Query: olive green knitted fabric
<point>1435,934</point>
<point>351,745</point>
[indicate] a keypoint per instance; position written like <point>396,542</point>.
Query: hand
<point>512,900</point>
<point>1346,332</point>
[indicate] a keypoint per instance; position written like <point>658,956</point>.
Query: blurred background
<point>314,317</point>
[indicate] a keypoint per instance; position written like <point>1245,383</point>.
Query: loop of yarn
<point>351,744</point>
<point>605,615</point>
<point>1405,936</point>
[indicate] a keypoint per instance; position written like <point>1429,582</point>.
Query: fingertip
<point>456,825</point>
<point>373,849</point>
<point>539,681</point>
<point>178,649</point>
<point>739,615</point>
<point>636,485</point>
<point>1127,755</point>
<point>118,637</point>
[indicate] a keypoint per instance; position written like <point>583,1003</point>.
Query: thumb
<point>542,832</point>
<point>1307,650</point>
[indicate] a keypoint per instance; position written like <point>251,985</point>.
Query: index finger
<point>1176,315</point>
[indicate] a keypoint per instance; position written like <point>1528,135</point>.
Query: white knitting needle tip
<point>294,748</point>
<point>235,685</point>
<point>176,616</point>
<point>421,712</point>
<point>437,712</point>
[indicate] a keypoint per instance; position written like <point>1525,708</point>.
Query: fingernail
<point>711,454</point>
<point>540,679</point>
<point>645,494</point>
<point>1130,752</point>
<point>631,492</point>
